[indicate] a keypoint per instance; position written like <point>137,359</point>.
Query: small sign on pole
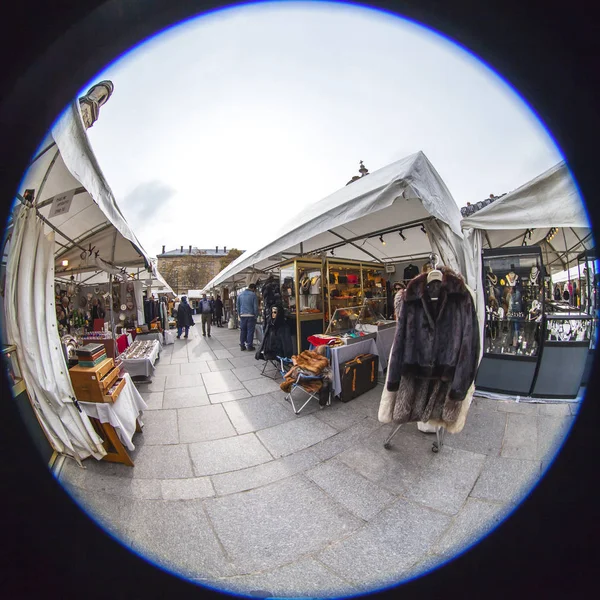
<point>61,203</point>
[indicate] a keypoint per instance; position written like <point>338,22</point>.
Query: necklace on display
<point>511,278</point>
<point>492,278</point>
<point>533,276</point>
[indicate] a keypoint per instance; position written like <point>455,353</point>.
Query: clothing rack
<point>440,431</point>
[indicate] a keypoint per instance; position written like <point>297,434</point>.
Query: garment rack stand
<point>440,432</point>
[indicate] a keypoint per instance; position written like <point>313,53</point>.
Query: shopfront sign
<point>61,203</point>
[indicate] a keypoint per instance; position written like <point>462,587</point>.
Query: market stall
<point>352,245</point>
<point>529,333</point>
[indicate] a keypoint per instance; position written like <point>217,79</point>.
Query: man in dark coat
<point>219,311</point>
<point>185,320</point>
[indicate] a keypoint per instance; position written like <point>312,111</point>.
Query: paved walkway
<point>230,488</point>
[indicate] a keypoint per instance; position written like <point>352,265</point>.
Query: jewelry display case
<point>346,324</point>
<point>513,283</point>
<point>371,318</point>
<point>301,283</point>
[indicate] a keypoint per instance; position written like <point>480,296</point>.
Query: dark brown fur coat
<point>424,393</point>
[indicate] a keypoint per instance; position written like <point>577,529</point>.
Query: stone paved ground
<point>232,489</point>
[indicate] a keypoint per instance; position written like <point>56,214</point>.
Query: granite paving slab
<point>521,408</point>
<point>203,423</point>
<point>483,432</point>
<point>484,403</point>
<point>221,381</point>
<point>574,407</point>
<point>201,356</point>
<point>195,368</point>
<point>186,489</point>
<point>261,520</point>
<point>472,524</point>
<point>175,360</point>
<point>306,577</point>
<point>253,477</point>
<point>295,435</point>
<point>555,410</point>
<point>178,536</point>
<point>183,381</point>
<point>354,492</point>
<point>112,513</point>
<point>161,462</point>
<point>552,433</point>
<point>229,396</point>
<point>167,369</point>
<point>153,400</point>
<point>219,365</point>
<point>505,480</point>
<point>246,373</point>
<point>448,480</point>
<point>259,412</point>
<point>264,385</point>
<point>185,397</point>
<point>223,353</point>
<point>520,439</point>
<point>245,359</point>
<point>383,551</point>
<point>230,454</point>
<point>345,439</point>
<point>160,427</point>
<point>340,415</point>
<point>156,385</point>
<point>395,469</point>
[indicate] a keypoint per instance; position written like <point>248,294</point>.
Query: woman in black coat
<point>219,311</point>
<point>184,317</point>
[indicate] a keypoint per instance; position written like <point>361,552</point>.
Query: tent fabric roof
<point>526,215</point>
<point>407,192</point>
<point>221,252</point>
<point>93,218</point>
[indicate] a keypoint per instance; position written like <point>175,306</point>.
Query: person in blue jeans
<point>247,309</point>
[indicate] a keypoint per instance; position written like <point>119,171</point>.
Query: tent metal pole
<point>47,174</point>
<point>49,147</point>
<point>355,245</point>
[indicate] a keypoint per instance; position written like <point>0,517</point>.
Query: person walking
<point>206,310</point>
<point>185,319</point>
<point>247,309</point>
<point>219,311</point>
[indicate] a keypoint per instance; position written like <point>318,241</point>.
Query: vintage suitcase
<point>90,384</point>
<point>358,376</point>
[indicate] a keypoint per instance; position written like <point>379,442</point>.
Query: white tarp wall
<point>31,327</point>
<point>407,192</point>
<point>549,200</point>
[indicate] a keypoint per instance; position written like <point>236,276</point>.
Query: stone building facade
<point>190,268</point>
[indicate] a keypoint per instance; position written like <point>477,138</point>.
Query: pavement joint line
<point>226,555</point>
<point>254,433</point>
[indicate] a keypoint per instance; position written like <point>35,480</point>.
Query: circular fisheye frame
<point>358,465</point>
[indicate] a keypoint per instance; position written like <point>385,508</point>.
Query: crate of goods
<point>91,384</point>
<point>358,376</point>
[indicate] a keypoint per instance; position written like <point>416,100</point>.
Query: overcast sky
<point>224,127</point>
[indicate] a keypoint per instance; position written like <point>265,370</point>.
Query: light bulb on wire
<point>382,240</point>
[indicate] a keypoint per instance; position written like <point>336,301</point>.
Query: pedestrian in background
<point>206,310</point>
<point>219,311</point>
<point>247,309</point>
<point>185,319</point>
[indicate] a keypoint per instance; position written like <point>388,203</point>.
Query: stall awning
<point>73,195</point>
<point>526,216</point>
<point>350,222</point>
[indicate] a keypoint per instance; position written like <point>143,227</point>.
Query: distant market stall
<point>532,328</point>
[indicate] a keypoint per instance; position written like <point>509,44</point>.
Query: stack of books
<point>91,355</point>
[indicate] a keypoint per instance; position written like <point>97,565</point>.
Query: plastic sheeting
<point>31,327</point>
<point>409,191</point>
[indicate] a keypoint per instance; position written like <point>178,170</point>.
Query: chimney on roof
<point>163,250</point>
<point>190,248</point>
<point>216,249</point>
<point>181,250</point>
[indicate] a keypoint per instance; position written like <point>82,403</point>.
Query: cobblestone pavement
<point>232,489</point>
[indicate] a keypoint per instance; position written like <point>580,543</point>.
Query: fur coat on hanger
<point>428,397</point>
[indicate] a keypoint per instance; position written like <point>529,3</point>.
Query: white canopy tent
<point>72,210</point>
<point>525,216</point>
<point>396,204</point>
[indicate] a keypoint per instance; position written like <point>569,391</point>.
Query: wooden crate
<point>90,383</point>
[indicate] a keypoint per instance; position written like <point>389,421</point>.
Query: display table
<point>342,354</point>
<point>117,422</point>
<point>384,341</point>
<point>151,335</point>
<point>144,366</point>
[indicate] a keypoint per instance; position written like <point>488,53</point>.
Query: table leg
<point>115,451</point>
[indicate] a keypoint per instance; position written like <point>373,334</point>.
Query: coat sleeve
<point>255,305</point>
<point>397,353</point>
<point>468,358</point>
<point>237,305</point>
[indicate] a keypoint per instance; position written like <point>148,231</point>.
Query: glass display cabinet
<point>371,318</point>
<point>513,284</point>
<point>349,283</point>
<point>301,283</point>
<point>349,324</point>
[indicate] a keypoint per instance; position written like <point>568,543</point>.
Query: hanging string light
<point>423,228</point>
<point>382,240</point>
<point>551,234</point>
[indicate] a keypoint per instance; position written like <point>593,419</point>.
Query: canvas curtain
<point>31,327</point>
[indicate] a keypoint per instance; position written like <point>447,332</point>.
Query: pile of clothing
<point>310,363</point>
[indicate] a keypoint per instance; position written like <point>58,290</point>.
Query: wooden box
<point>90,383</point>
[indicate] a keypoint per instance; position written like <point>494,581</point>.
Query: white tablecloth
<point>385,339</point>
<point>152,335</point>
<point>121,414</point>
<point>342,354</point>
<point>142,366</point>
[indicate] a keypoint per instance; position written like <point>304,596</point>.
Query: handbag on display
<point>343,279</point>
<point>358,376</point>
